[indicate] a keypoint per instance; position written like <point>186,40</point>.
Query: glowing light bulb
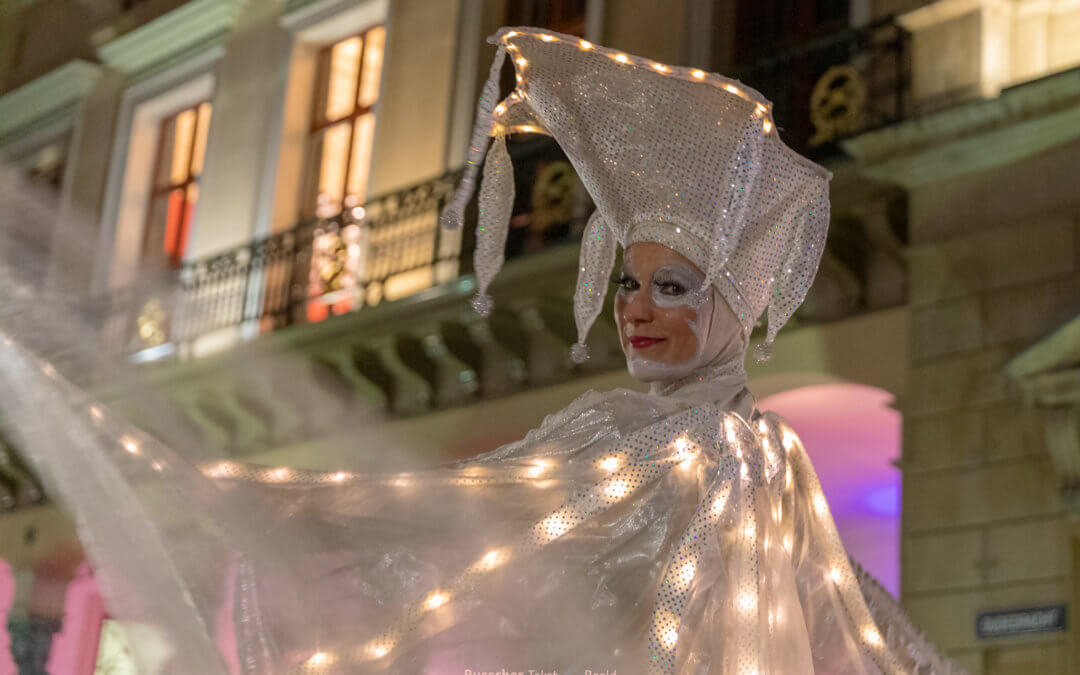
<point>401,482</point>
<point>787,543</point>
<point>500,109</point>
<point>48,370</point>
<point>760,109</point>
<point>747,602</point>
<point>436,599</point>
<point>511,34</point>
<point>788,440</point>
<point>521,61</point>
<point>765,544</point>
<point>719,503</point>
<point>96,413</point>
<point>585,44</point>
<point>519,78</point>
<point>787,477</point>
<point>762,426</point>
<point>686,574</point>
<point>749,531</point>
<point>131,446</point>
<point>697,74</point>
<point>547,38</point>
<point>609,463</point>
<point>730,88</point>
<point>767,126</point>
<point>872,636</point>
<point>278,475</point>
<point>660,68</point>
<point>319,659</point>
<point>744,471</point>
<point>339,477</point>
<point>156,466</point>
<point>490,561</point>
<point>836,575</point>
<point>617,489</point>
<point>622,58</point>
<point>219,470</point>
<point>555,526</point>
<point>529,129</point>
<point>671,636</point>
<point>379,650</point>
<point>538,468</point>
<point>820,505</point>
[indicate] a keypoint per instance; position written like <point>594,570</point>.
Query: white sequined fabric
<point>672,155</point>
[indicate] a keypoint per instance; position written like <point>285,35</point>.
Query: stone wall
<point>994,266</point>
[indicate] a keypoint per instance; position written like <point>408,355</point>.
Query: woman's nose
<point>638,308</point>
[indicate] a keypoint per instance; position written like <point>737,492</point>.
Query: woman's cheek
<point>683,343</point>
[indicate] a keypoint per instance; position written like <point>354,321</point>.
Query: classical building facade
<point>264,176</point>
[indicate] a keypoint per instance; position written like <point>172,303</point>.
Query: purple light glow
<point>853,436</point>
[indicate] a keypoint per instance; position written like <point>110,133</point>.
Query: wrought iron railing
<point>834,87</point>
<point>386,248</point>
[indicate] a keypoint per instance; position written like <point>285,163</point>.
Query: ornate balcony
<point>837,86</point>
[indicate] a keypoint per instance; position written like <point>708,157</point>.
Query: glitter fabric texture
<point>688,159</point>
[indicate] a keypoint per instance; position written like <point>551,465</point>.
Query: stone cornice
<point>1022,121</point>
<point>56,92</point>
<point>194,26</point>
<point>1057,351</point>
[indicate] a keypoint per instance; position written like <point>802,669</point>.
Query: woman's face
<point>659,307</point>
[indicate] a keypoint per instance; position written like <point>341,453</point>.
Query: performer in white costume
<point>675,531</point>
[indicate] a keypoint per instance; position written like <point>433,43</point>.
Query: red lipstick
<point>643,342</point>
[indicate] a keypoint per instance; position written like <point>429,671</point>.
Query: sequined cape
<point>630,532</point>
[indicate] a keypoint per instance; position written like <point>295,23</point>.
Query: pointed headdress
<point>672,155</point>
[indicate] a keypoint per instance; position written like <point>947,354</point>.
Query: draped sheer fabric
<point>630,531</point>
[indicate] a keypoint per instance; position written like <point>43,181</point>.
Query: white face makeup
<point>664,315</point>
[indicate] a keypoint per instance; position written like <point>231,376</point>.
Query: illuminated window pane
<point>333,161</point>
<point>172,201</point>
<point>341,137</point>
<point>184,134</point>
<point>198,154</point>
<point>373,60</point>
<point>363,134</point>
<point>343,77</point>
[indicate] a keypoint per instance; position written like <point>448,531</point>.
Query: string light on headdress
<point>697,74</point>
<point>130,446</point>
<point>585,44</point>
<point>621,58</point>
<point>660,68</point>
<point>610,463</point>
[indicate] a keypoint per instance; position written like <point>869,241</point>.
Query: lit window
<point>348,88</point>
<point>181,151</point>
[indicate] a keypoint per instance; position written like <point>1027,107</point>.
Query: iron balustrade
<point>836,86</point>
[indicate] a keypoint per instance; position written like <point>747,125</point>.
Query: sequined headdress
<point>671,155</point>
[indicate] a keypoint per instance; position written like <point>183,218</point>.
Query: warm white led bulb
<point>617,489</point>
<point>697,74</point>
<point>436,599</point>
<point>872,636</point>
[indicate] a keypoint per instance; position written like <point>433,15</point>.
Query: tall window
<point>181,151</point>
<point>344,122</point>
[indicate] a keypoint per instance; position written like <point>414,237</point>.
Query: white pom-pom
<point>579,353</point>
<point>482,304</point>
<point>452,216</point>
<point>763,352</point>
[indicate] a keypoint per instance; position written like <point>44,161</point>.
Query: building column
<point>235,190</point>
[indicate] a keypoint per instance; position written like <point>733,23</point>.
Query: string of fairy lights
<point>761,107</point>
